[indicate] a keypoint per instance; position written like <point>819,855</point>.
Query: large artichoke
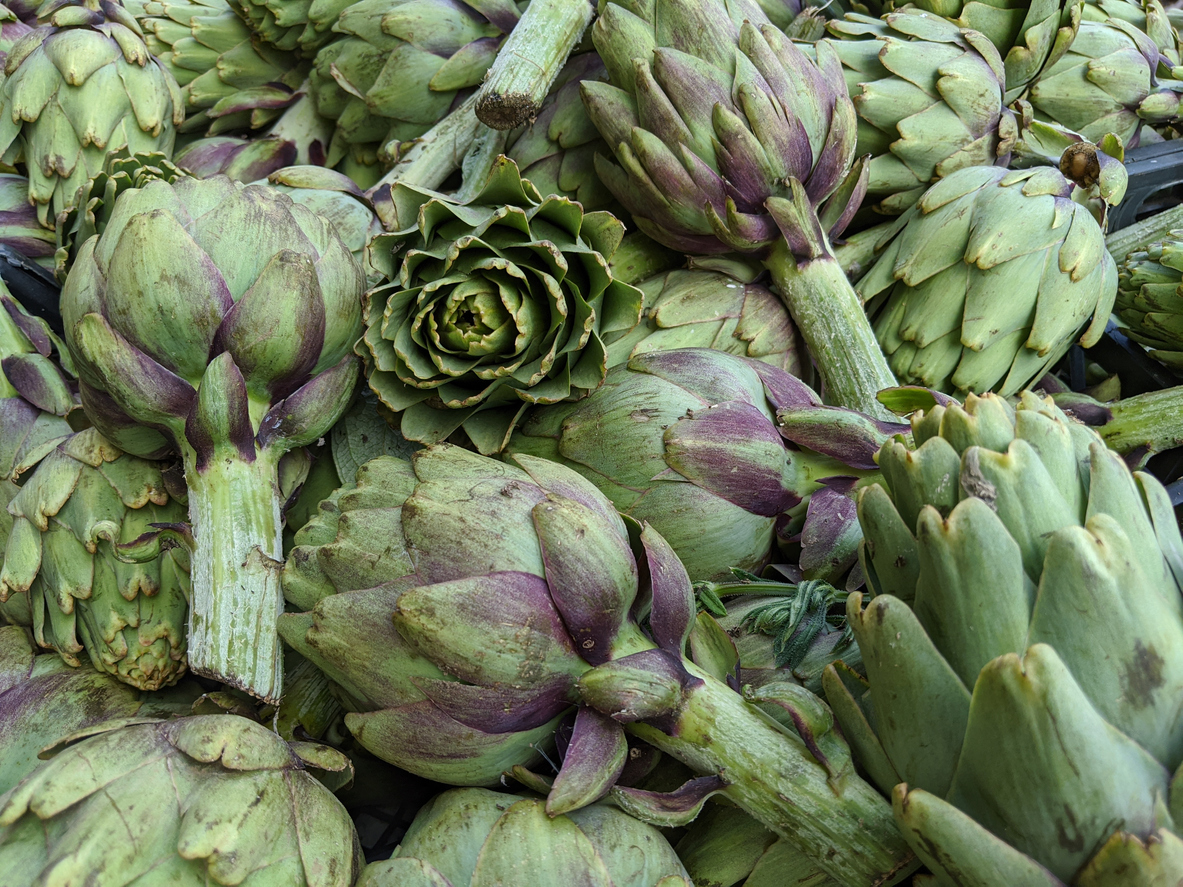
<point>1024,650</point>
<point>1150,298</point>
<point>493,304</point>
<point>397,67</point>
<point>215,321</point>
<point>473,837</point>
<point>1108,82</point>
<point>204,800</point>
<point>929,98</point>
<point>689,441</point>
<point>988,280</point>
<point>230,81</point>
<point>81,86</point>
<point>495,638</point>
<point>84,499</point>
<point>727,137</point>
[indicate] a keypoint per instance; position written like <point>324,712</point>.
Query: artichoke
<point>203,800</point>
<point>95,202</point>
<point>557,149</point>
<point>473,837</point>
<point>929,98</point>
<point>215,320</point>
<point>1150,298</point>
<point>1108,82</point>
<point>688,441</point>
<point>988,279</point>
<point>723,310</point>
<point>494,639</point>
<point>300,26</point>
<point>82,502</point>
<point>1024,650</point>
<point>398,67</point>
<point>727,137</point>
<point>81,86</point>
<point>1029,36</point>
<point>229,80</point>
<point>493,304</point>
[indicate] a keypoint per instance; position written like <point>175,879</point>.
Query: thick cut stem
<point>1153,421</point>
<point>238,550</point>
<point>437,153</point>
<point>831,319</point>
<point>530,60</point>
<point>850,833</point>
<point>1141,234</point>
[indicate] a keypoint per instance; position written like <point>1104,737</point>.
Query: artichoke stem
<point>530,60</point>
<point>1153,421</point>
<point>831,319</point>
<point>234,510</point>
<point>437,153</point>
<point>851,833</point>
<point>1141,234</point>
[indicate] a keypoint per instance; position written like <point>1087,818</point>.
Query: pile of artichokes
<point>634,444</point>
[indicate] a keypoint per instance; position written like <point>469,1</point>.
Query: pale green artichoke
<point>473,837</point>
<point>81,86</point>
<point>1024,651</point>
<point>1150,298</point>
<point>202,801</point>
<point>988,280</point>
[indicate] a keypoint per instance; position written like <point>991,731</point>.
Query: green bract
<point>215,320</point>
<point>929,97</point>
<point>84,499</point>
<point>19,228</point>
<point>79,87</point>
<point>473,837</point>
<point>493,304</point>
<point>988,280</point>
<point>229,80</point>
<point>205,800</point>
<point>1024,650</point>
<point>1150,298</point>
<point>293,25</point>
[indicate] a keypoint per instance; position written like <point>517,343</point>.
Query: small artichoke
<point>1150,298</point>
<point>79,87</point>
<point>194,802</point>
<point>988,279</point>
<point>215,321</point>
<point>473,837</point>
<point>81,503</point>
<point>493,304</point>
<point>1024,650</point>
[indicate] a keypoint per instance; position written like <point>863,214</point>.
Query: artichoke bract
<point>1024,649</point>
<point>1150,298</point>
<point>230,804</point>
<point>215,321</point>
<point>82,502</point>
<point>19,227</point>
<point>929,98</point>
<point>486,642</point>
<point>690,441</point>
<point>988,279</point>
<point>80,86</point>
<point>473,837</point>
<point>493,304</point>
<point>727,137</point>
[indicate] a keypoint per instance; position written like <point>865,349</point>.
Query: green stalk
<point>831,319</point>
<point>235,571</point>
<point>530,60</point>
<point>1153,420</point>
<point>439,152</point>
<point>1140,234</point>
<point>849,832</point>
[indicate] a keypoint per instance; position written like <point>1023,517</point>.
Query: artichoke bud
<point>649,684</point>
